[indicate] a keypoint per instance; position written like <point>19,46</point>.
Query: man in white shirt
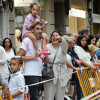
<point>32,61</point>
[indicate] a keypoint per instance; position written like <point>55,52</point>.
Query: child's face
<point>15,66</point>
<point>35,10</point>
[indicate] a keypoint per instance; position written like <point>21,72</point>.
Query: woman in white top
<point>82,51</point>
<point>56,88</point>
<point>7,44</point>
<point>9,51</point>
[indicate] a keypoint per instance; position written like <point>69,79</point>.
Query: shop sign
<point>22,3</point>
<point>77,13</point>
<point>96,18</point>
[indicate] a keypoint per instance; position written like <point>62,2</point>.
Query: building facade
<point>7,19</point>
<point>67,15</point>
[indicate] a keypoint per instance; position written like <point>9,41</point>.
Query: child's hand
<point>59,38</point>
<point>37,20</point>
<point>45,23</point>
<point>7,94</point>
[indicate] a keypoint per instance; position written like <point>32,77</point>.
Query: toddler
<point>30,21</point>
<point>17,79</point>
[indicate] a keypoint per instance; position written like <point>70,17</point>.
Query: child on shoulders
<point>30,21</point>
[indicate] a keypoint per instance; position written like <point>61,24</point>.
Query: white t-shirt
<point>82,54</point>
<point>10,54</point>
<point>32,67</point>
<point>17,80</point>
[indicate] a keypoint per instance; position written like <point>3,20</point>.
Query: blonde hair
<point>92,48</point>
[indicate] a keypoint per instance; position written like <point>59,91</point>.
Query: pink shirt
<point>28,21</point>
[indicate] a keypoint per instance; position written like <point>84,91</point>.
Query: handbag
<point>47,71</point>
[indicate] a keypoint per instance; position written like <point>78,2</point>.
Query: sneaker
<point>45,52</point>
<point>42,56</point>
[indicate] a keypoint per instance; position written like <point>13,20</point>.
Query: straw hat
<point>92,48</point>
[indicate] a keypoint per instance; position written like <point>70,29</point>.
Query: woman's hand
<point>93,67</point>
<point>59,38</point>
<point>77,69</point>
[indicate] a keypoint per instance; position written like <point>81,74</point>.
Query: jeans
<point>34,90</point>
<point>79,91</point>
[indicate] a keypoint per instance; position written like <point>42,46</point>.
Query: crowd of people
<point>71,52</point>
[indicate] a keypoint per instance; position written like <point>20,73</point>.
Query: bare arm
<point>44,41</point>
<point>77,61</point>
<point>71,66</point>
<point>96,64</point>
<point>33,24</point>
<point>98,61</point>
<point>16,94</point>
<point>22,53</point>
<point>87,65</point>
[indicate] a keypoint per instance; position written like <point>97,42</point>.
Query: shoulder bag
<point>47,71</point>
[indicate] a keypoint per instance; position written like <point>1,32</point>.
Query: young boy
<point>17,79</point>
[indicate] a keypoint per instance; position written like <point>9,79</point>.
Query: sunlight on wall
<point>77,13</point>
<point>22,3</point>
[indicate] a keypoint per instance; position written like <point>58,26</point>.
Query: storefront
<point>77,16</point>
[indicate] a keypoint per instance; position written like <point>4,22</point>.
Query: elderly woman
<point>56,88</point>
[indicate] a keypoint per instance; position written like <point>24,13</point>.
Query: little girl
<point>30,21</point>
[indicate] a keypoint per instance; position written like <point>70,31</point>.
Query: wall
<point>76,23</point>
<point>55,15</point>
<point>4,27</point>
<point>12,26</point>
<point>50,16</point>
<point>7,26</point>
<point>59,16</point>
<point>79,3</point>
